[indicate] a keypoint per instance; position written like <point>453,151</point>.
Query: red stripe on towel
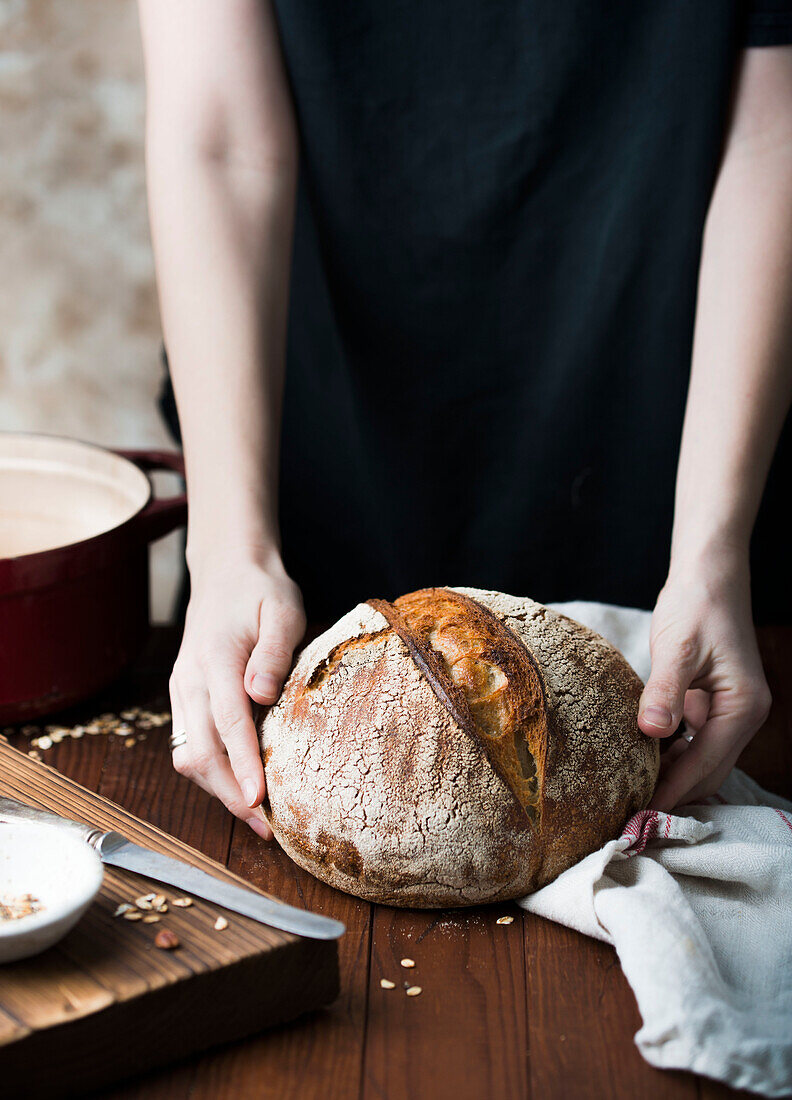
<point>640,829</point>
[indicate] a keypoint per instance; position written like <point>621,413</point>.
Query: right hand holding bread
<point>243,623</point>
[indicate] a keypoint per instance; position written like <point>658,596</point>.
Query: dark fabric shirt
<point>497,244</point>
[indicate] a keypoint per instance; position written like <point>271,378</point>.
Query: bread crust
<point>451,638</point>
<point>601,769</point>
<point>382,789</point>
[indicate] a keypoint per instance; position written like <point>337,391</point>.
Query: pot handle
<point>159,517</point>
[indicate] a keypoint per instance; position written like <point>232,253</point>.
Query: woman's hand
<point>243,623</point>
<point>705,668</point>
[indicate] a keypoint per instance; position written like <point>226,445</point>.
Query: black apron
<point>498,235</point>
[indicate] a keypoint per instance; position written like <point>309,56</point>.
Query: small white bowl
<point>58,869</point>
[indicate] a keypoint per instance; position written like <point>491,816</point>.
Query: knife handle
<point>13,810</point>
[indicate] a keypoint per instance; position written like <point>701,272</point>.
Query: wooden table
<point>529,1009</point>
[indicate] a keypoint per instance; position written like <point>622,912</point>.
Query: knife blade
<point>116,850</point>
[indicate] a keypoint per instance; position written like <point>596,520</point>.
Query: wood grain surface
<point>106,978</point>
<point>518,1011</point>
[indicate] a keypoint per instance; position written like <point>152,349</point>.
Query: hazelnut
<point>166,940</point>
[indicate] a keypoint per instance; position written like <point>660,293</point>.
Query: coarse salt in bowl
<point>60,872</point>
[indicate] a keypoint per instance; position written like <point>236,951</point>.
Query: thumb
<point>674,664</point>
<point>271,658</point>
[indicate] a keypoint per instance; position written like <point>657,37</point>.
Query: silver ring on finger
<point>176,739</point>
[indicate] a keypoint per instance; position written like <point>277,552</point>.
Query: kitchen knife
<point>116,850</point>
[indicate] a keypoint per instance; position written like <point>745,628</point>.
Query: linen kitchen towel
<point>698,905</point>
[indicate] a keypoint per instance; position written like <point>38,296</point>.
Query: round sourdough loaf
<point>452,748</point>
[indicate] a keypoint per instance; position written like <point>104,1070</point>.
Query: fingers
<point>244,621</point>
<point>674,664</point>
<point>203,760</point>
<point>705,668</point>
<point>234,723</point>
<point>713,782</point>
<point>219,781</point>
<point>696,711</point>
<point>672,753</point>
<point>699,770</point>
<point>697,706</point>
<point>280,630</point>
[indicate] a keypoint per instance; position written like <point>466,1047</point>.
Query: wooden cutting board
<point>104,1003</point>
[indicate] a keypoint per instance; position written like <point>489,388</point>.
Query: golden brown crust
<point>600,767</point>
<point>380,787</point>
<point>492,680</point>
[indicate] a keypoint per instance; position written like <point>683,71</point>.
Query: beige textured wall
<point>79,326</point>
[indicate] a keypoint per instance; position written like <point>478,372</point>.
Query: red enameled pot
<point>76,521</point>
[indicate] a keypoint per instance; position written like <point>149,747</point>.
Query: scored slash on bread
<point>453,747</point>
<point>486,679</point>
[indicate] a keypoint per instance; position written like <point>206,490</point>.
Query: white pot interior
<point>54,492</point>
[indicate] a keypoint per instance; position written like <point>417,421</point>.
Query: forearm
<point>221,155</point>
<point>741,378</point>
<point>222,238</point>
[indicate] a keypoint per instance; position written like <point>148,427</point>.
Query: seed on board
<point>29,730</point>
<point>129,715</point>
<point>129,742</point>
<point>386,983</point>
<point>408,962</point>
<point>34,755</point>
<point>78,732</point>
<point>145,901</point>
<point>151,918</point>
<point>505,920</point>
<point>133,915</point>
<point>158,900</point>
<point>413,991</point>
<point>220,924</point>
<point>183,903</point>
<point>166,940</point>
<point>44,742</point>
<point>124,907</point>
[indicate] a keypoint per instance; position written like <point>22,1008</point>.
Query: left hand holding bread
<point>706,669</point>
